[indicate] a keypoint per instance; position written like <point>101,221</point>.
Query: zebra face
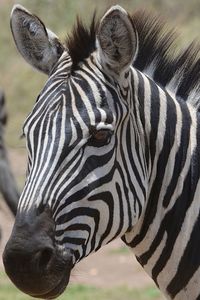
<point>72,156</point>
<point>72,195</point>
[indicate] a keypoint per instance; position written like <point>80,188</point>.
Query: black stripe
<point>190,262</point>
<point>84,191</point>
<point>181,153</point>
<point>107,198</point>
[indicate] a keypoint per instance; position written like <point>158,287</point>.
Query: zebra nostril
<point>44,257</point>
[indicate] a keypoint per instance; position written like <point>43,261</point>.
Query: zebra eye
<point>100,137</point>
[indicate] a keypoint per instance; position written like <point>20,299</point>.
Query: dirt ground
<point>110,266</point>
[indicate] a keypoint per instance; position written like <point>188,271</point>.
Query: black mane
<point>157,48</point>
<point>82,41</point>
<point>156,55</point>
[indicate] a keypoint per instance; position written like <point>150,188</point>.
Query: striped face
<point>81,137</point>
<point>78,130</point>
<point>72,138</point>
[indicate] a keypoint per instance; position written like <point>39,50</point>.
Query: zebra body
<point>113,144</point>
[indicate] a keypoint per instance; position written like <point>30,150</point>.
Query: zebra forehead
<point>90,103</point>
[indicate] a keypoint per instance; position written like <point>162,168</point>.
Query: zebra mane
<point>178,73</point>
<point>157,57</point>
<point>82,41</point>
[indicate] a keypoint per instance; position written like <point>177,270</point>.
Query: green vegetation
<point>80,292</point>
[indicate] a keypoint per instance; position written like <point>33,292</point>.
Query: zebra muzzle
<point>33,261</point>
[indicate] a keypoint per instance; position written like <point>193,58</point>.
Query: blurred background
<point>112,274</point>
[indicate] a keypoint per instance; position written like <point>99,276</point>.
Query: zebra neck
<point>167,127</point>
<point>169,217</point>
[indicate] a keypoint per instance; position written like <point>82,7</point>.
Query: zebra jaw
<point>31,255</point>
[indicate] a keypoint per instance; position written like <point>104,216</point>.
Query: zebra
<point>8,186</point>
<point>113,151</point>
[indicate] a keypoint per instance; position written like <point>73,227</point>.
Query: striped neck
<point>169,130</point>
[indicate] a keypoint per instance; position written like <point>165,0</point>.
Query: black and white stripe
<point>113,143</point>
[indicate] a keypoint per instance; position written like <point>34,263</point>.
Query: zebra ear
<point>38,45</point>
<point>117,40</point>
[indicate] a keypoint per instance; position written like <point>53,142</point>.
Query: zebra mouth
<point>61,284</point>
<point>46,284</point>
<point>34,262</point>
<point>66,264</point>
<point>43,271</point>
<point>56,291</point>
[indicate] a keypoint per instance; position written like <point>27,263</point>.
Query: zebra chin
<point>33,261</point>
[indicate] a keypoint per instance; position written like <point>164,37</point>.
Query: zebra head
<point>76,196</point>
